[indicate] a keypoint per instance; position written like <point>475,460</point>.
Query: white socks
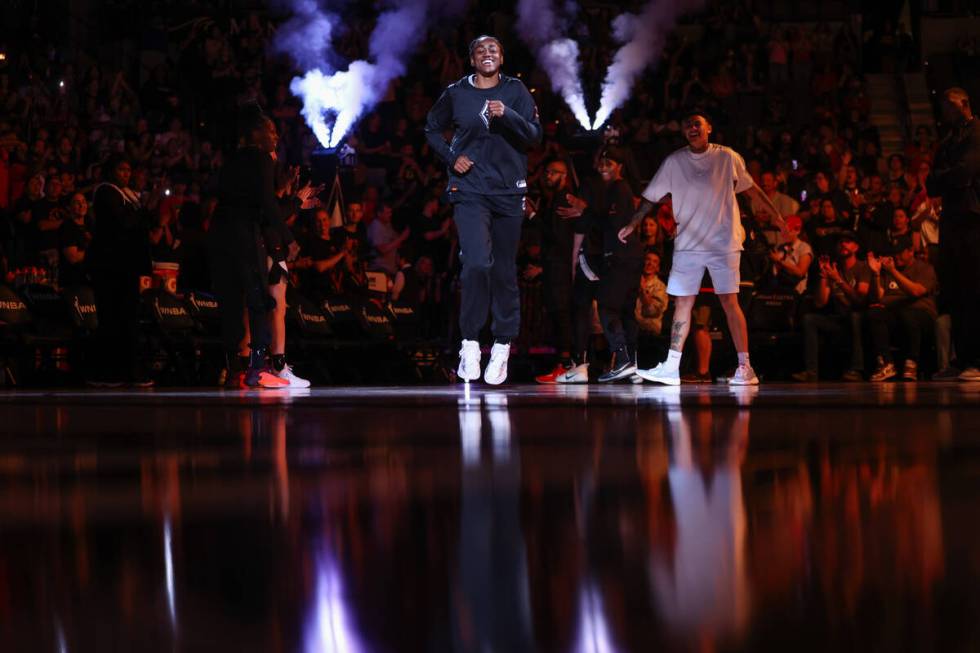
<point>743,359</point>
<point>673,362</point>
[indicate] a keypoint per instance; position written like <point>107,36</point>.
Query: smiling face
<point>487,56</point>
<point>651,264</point>
<point>696,131</point>
<point>610,170</point>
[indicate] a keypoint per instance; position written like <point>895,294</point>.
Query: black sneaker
<point>619,371</point>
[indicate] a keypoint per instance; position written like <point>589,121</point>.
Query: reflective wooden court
<point>567,519</point>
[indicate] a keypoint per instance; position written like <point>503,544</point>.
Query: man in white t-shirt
<point>702,180</point>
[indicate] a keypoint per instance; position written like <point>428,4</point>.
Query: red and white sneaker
<point>264,378</point>
<point>553,375</point>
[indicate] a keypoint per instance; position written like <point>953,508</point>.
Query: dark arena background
<point>152,500</point>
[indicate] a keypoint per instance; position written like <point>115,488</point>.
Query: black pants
<point>489,228</point>
<point>618,287</point>
<point>958,267</point>
<point>584,292</point>
<point>117,300</point>
<point>559,298</point>
<point>240,285</point>
<point>883,323</point>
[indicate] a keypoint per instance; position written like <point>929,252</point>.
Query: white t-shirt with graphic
<point>702,189</point>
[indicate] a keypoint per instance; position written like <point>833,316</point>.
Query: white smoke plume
<point>334,101</point>
<point>540,28</point>
<point>306,35</point>
<point>643,39</point>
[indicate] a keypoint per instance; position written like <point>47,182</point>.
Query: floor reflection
<point>665,519</point>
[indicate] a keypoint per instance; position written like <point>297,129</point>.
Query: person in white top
<point>702,180</point>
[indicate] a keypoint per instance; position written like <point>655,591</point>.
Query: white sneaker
<point>286,374</point>
<point>660,374</point>
<point>575,374</point>
<point>496,372</point>
<point>970,374</point>
<point>469,361</point>
<point>744,375</point>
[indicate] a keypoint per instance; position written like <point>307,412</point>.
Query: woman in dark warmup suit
<point>118,256</point>
<point>247,205</point>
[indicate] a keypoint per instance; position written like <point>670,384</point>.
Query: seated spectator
<point>318,264</point>
<point>785,204</point>
<point>385,241</point>
<point>354,229</point>
<point>839,300</point>
<point>651,301</point>
<point>903,302</point>
<point>54,216</point>
<point>407,289</point>
<point>651,235</point>
<point>195,273</point>
<point>825,228</point>
<point>824,191</point>
<point>872,229</point>
<point>896,172</point>
<point>791,260</point>
<point>28,212</point>
<point>901,229</point>
<point>432,232</point>
<point>73,239</point>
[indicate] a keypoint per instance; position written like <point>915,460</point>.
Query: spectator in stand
<point>896,172</point>
<point>47,227</point>
<point>902,297</point>
<point>840,300</point>
<point>823,190</point>
<point>319,266</point>
<point>785,204</point>
<point>791,260</point>
<point>354,229</point>
<point>28,211</point>
<point>872,229</point>
<point>385,240</point>
<point>956,178</point>
<point>651,235</point>
<point>74,237</point>
<point>902,229</point>
<point>824,229</point>
<point>118,256</point>
<point>651,301</point>
<point>433,232</point>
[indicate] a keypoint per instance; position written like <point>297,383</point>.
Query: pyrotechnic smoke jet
<point>642,37</point>
<point>539,26</point>
<point>333,101</point>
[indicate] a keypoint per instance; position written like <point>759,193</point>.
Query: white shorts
<point>687,270</point>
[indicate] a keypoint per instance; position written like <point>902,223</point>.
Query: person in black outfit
<point>955,176</point>
<point>247,205</point>
<point>118,256</point>
<point>606,208</point>
<point>495,120</point>
<point>74,237</point>
<point>560,260</point>
<point>610,210</point>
